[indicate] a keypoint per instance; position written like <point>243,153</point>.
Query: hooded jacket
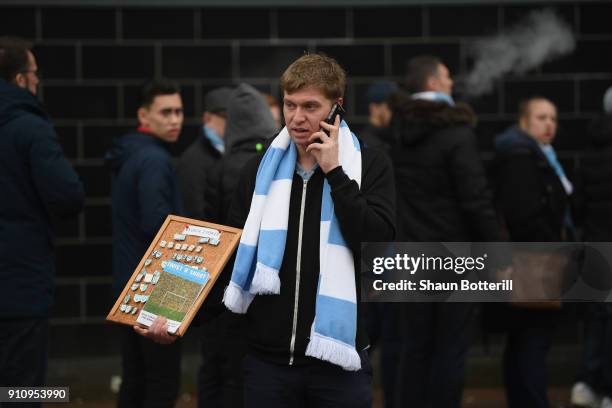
<point>529,193</point>
<point>249,124</point>
<point>144,193</point>
<point>37,185</point>
<point>442,190</point>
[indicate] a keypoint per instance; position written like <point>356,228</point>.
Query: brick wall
<point>94,59</point>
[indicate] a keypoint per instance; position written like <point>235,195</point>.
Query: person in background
<point>144,192</point>
<point>442,196</point>
<point>533,192</point>
<point>377,96</point>
<point>594,386</point>
<point>249,124</point>
<point>197,160</point>
<point>38,187</point>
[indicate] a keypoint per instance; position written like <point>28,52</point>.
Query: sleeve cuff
<point>336,177</point>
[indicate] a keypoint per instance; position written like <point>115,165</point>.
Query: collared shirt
<point>303,173</point>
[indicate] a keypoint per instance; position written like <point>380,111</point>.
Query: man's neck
<point>305,159</point>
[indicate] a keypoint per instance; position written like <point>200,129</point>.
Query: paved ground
<point>473,398</point>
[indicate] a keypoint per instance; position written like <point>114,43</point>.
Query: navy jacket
<point>37,184</point>
<point>529,193</point>
<point>144,193</point>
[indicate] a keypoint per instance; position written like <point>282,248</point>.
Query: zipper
<point>297,273</point>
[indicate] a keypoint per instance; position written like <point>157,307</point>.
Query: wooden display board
<point>215,258</point>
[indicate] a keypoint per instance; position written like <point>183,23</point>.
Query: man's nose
<point>175,117</point>
<point>299,115</point>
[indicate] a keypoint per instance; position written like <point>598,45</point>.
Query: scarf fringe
<point>265,281</point>
<point>235,299</point>
<point>334,352</point>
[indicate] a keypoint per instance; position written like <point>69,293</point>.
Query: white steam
<point>538,38</point>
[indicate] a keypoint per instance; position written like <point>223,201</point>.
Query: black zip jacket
<point>364,215</point>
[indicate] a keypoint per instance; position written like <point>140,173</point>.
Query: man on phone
<point>305,207</point>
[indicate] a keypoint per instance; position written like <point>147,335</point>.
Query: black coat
<point>192,171</point>
<point>223,178</point>
<point>442,190</point>
<point>529,193</point>
<point>596,182</point>
<point>36,184</point>
<point>364,215</point>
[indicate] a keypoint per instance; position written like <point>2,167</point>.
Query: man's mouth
<point>300,131</point>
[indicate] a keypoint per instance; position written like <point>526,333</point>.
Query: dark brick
<point>515,14</point>
<point>197,62</point>
<point>99,299</point>
<point>99,139</point>
<point>361,105</point>
<point>228,23</point>
<point>98,221</point>
<point>76,102</point>
<point>17,21</point>
<point>560,92</point>
<point>78,23</point>
<point>311,23</point>
<point>118,62</point>
<point>67,301</point>
<point>56,61</point>
<point>591,94</point>
<point>84,260</point>
<point>385,22</point>
<point>353,59</point>
<point>96,180</point>
<point>89,340</point>
<point>595,18</point>
<point>132,96</point>
<point>67,136</point>
<point>66,228</point>
<point>448,52</point>
<point>349,102</point>
<point>462,20</point>
<point>162,23</point>
<point>486,130</point>
<point>571,134</point>
<point>487,103</point>
<point>589,56</point>
<point>267,62</point>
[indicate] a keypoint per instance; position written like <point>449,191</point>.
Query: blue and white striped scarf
<point>262,246</point>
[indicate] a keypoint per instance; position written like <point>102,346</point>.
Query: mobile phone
<point>336,110</point>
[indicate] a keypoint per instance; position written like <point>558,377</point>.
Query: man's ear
<point>205,117</point>
<point>20,80</point>
<point>142,116</point>
<point>433,84</point>
<point>341,101</point>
